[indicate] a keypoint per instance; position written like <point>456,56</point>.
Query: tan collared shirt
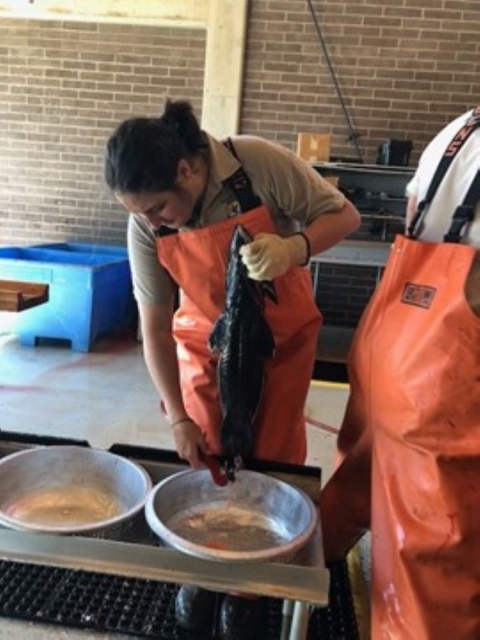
<point>293,191</point>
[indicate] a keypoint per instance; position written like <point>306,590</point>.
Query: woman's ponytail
<point>143,153</point>
<point>178,116</point>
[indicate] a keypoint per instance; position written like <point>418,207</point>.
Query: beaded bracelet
<point>174,424</point>
<point>309,248</point>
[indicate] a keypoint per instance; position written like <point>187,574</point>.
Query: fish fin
<point>268,290</point>
<point>216,341</point>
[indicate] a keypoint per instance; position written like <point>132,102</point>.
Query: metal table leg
<point>316,273</point>
<point>287,613</point>
<point>300,619</point>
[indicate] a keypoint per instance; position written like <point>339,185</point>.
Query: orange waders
<point>197,261</point>
<point>418,347</point>
<point>410,440</point>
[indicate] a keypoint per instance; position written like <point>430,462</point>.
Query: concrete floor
<point>106,397</point>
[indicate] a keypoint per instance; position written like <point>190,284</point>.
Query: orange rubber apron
<point>415,378</point>
<point>197,261</point>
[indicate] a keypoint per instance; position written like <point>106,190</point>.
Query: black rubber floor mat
<point>143,608</point>
<point>338,620</point>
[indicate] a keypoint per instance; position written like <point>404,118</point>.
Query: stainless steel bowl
<point>70,490</point>
<point>256,519</point>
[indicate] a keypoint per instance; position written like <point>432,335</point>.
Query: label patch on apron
<point>418,295</point>
<point>232,207</point>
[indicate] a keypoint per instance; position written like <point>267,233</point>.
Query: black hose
<point>353,135</point>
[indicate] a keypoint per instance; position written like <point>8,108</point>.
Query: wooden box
<point>18,296</point>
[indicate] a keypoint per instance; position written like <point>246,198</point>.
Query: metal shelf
<point>380,179</point>
<point>363,253</point>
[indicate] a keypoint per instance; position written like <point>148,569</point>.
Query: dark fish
<point>244,341</point>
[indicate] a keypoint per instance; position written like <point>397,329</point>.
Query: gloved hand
<point>269,256</point>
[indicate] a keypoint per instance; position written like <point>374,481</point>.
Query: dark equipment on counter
<point>395,152</point>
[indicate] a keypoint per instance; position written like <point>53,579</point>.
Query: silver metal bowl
<point>70,490</point>
<point>258,518</point>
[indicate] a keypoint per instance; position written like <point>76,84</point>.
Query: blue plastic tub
<point>81,247</point>
<point>90,292</point>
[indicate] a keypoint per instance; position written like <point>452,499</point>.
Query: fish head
<point>231,465</point>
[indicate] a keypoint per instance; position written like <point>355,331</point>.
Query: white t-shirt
<point>454,186</point>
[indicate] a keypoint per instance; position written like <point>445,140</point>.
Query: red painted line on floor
<point>320,425</point>
<point>21,388</point>
<point>103,354</point>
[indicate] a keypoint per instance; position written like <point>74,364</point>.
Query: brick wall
<point>405,67</point>
<point>63,88</point>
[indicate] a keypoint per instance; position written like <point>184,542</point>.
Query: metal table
<point>138,553</point>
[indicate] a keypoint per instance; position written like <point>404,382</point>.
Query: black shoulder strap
<point>163,231</point>
<point>449,155</point>
<point>241,184</point>
<point>465,212</point>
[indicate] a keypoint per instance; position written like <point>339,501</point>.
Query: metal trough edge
<point>291,582</point>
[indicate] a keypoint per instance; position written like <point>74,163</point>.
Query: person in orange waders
<point>185,191</point>
<point>409,446</point>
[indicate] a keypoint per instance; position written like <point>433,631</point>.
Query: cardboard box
<point>314,146</point>
<point>335,180</point>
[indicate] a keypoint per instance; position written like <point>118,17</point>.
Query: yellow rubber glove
<point>269,256</point>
